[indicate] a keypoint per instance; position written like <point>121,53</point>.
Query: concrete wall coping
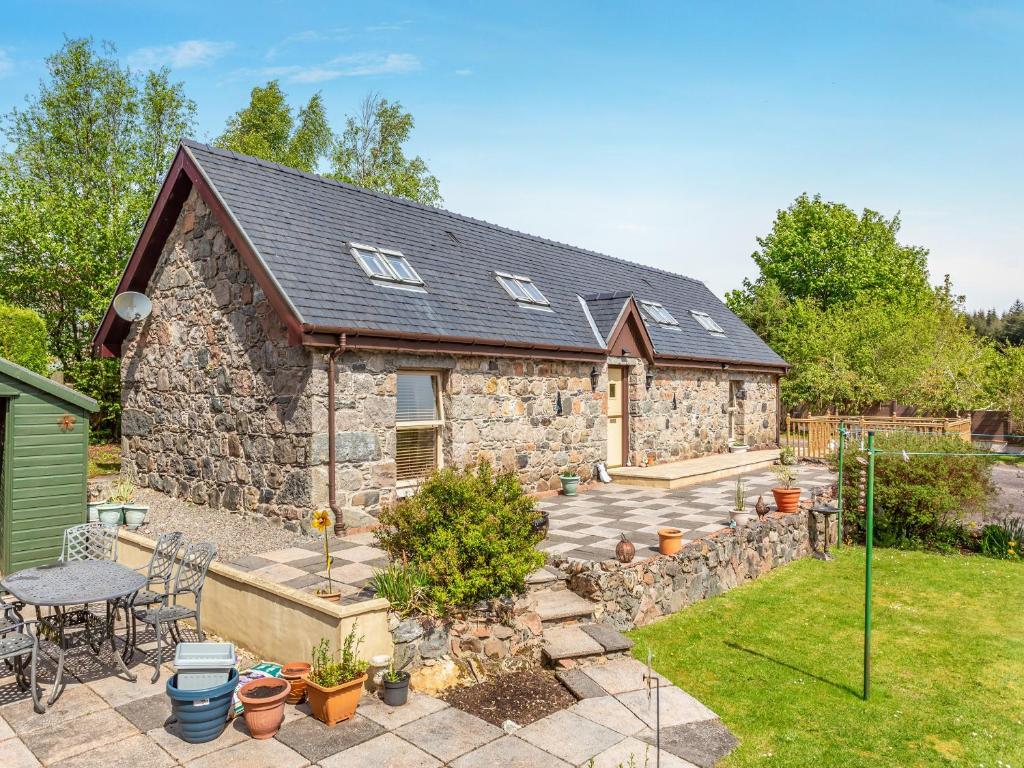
<point>307,599</point>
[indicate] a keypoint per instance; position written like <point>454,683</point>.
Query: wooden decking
<point>680,474</point>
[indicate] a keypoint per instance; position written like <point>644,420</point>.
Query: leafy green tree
<point>267,129</point>
<point>369,153</point>
<point>824,252</point>
<point>1005,382</point>
<point>84,161</point>
<point>23,338</point>
<point>851,310</point>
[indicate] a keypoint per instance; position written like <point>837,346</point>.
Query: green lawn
<point>780,660</point>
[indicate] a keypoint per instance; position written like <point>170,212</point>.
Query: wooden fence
<point>817,437</point>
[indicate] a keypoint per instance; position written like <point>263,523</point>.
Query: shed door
<point>615,417</point>
<point>3,481</point>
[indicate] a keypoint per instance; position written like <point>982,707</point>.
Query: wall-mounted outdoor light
<point>675,405</point>
<point>558,404</point>
<point>594,376</point>
<point>649,378</point>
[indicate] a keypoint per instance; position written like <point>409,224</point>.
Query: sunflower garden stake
<point>322,523</point>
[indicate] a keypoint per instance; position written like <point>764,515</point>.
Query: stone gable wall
<point>214,403</point>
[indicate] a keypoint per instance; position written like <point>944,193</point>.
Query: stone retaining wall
<point>634,594</point>
<point>503,635</point>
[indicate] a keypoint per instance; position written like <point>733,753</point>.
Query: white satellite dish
<point>132,306</point>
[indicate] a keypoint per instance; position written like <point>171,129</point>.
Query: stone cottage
<point>289,309</point>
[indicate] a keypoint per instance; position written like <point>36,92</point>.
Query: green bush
<point>100,379</point>
<point>1004,540</point>
<point>920,502</point>
<point>401,585</point>
<point>23,338</point>
<point>467,532</point>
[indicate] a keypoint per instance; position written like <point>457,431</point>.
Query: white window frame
<point>507,279</point>
<point>422,425</point>
<point>657,313</point>
<point>390,274</point>
<point>707,322</point>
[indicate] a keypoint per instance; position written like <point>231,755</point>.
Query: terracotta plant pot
<point>331,597</point>
<point>332,705</point>
<point>625,550</point>
<point>263,705</point>
<point>787,499</point>
<point>295,673</point>
<point>670,540</point>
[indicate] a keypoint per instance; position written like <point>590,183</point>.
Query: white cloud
<point>463,72</point>
<point>355,65</point>
<point>187,53</point>
<point>307,36</point>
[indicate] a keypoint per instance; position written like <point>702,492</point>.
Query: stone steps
<point>546,579</point>
<point>566,644</point>
<point>561,606</point>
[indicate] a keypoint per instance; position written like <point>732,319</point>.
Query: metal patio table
<point>66,589</point>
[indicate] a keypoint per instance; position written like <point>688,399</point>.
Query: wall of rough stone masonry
<point>505,411</point>
<point>214,409</point>
<point>500,636</point>
<point>699,423</point>
<point>634,594</point>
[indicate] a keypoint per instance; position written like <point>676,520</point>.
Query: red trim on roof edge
<point>183,175</point>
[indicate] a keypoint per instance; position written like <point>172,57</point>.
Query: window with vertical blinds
<point>418,425</point>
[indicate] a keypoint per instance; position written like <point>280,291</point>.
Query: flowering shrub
<point>468,534</point>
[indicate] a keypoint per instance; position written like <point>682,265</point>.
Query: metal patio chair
<point>159,571</point>
<point>17,643</point>
<point>188,580</point>
<point>89,541</point>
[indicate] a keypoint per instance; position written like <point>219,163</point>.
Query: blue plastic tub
<point>202,715</point>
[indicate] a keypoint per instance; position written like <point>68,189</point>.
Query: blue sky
<point>667,133</point>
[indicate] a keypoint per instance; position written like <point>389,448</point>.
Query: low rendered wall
<point>634,594</point>
<point>274,622</point>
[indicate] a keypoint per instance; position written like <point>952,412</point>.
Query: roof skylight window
<point>521,289</point>
<point>658,313</point>
<point>384,264</point>
<point>707,322</point>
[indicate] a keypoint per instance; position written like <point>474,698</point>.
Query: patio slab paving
<point>588,526</point>
<point>125,723</point>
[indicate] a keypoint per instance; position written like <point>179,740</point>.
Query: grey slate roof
<point>605,309</point>
<point>300,225</point>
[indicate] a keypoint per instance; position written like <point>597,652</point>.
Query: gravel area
<point>235,535</point>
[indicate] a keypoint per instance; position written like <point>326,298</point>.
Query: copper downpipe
<point>332,483</point>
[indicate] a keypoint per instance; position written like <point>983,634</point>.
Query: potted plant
<point>335,685</point>
<point>134,514</point>
<point>396,686</point>
<point>263,705</point>
<point>739,513</point>
<point>737,447</point>
<point>322,522</point>
<point>670,540</point>
<point>787,498</point>
<point>112,511</point>
<point>570,482</point>
<point>295,673</point>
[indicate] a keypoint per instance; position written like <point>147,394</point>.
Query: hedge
<point>23,338</point>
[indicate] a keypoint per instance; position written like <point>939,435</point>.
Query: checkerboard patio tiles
<point>588,527</point>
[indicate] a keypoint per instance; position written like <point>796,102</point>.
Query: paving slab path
<point>112,722</point>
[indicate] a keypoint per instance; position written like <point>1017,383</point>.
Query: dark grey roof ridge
<point>444,211</point>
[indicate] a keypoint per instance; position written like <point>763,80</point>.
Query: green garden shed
<point>44,441</point>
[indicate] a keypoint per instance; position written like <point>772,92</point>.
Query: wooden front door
<point>616,417</point>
